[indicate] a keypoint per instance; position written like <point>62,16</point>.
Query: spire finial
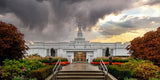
<point>80,18</point>
<point>79,28</point>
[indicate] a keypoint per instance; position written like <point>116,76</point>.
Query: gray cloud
<point>91,10</point>
<point>56,19</point>
<point>153,2</point>
<point>32,13</point>
<point>116,28</point>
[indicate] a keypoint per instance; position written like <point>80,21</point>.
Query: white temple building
<point>78,50</point>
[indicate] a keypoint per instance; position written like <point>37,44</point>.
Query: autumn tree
<point>146,47</point>
<point>12,45</point>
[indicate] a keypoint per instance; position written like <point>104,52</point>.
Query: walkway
<point>80,67</point>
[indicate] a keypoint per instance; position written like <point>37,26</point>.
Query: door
<point>79,56</point>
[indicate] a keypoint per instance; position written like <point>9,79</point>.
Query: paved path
<point>80,67</point>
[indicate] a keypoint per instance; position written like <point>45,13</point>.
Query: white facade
<point>90,50</point>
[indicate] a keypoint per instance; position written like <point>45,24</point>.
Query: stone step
<point>80,77</point>
<point>80,74</point>
<point>80,71</point>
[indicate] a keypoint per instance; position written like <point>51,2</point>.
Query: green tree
<point>107,52</point>
<point>53,52</point>
<point>12,45</point>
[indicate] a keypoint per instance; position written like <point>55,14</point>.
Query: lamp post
<point>50,61</point>
<point>110,60</point>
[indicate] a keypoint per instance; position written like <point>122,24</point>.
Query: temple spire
<point>79,35</point>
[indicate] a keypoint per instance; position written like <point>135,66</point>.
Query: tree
<point>12,45</point>
<point>107,52</point>
<point>53,52</point>
<point>146,47</point>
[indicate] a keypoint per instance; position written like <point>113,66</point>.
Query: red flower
<point>107,63</point>
<point>46,63</point>
<point>24,69</point>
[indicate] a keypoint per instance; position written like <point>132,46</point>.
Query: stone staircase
<point>80,75</point>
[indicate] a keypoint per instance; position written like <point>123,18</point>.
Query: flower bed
<point>107,63</point>
<point>114,59</point>
<point>62,63</point>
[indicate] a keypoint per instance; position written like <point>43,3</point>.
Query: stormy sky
<point>102,20</point>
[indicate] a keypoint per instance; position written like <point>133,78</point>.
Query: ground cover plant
<point>143,69</point>
<point>12,68</point>
<point>26,68</point>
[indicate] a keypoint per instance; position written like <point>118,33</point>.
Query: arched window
<point>53,52</point>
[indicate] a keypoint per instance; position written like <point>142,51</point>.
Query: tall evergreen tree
<point>107,52</point>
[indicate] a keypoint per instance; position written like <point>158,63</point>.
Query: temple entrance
<point>80,56</point>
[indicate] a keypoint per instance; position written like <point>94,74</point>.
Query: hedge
<point>42,73</point>
<point>46,60</point>
<point>113,60</point>
<point>119,72</point>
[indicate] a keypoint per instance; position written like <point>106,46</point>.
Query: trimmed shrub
<point>42,73</point>
<point>119,72</point>
<point>129,79</point>
<point>113,60</point>
<point>143,69</point>
<point>21,78</point>
<point>120,60</point>
<point>64,59</point>
<point>153,79</point>
<point>46,60</point>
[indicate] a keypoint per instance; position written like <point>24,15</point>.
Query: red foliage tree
<point>146,47</point>
<point>12,45</point>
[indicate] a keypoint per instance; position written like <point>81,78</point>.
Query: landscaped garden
<point>31,67</point>
<point>136,69</point>
<point>14,62</point>
<point>115,60</point>
<point>144,63</point>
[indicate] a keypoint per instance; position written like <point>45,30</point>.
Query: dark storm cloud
<point>91,10</point>
<point>32,13</point>
<point>60,14</point>
<point>116,28</point>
